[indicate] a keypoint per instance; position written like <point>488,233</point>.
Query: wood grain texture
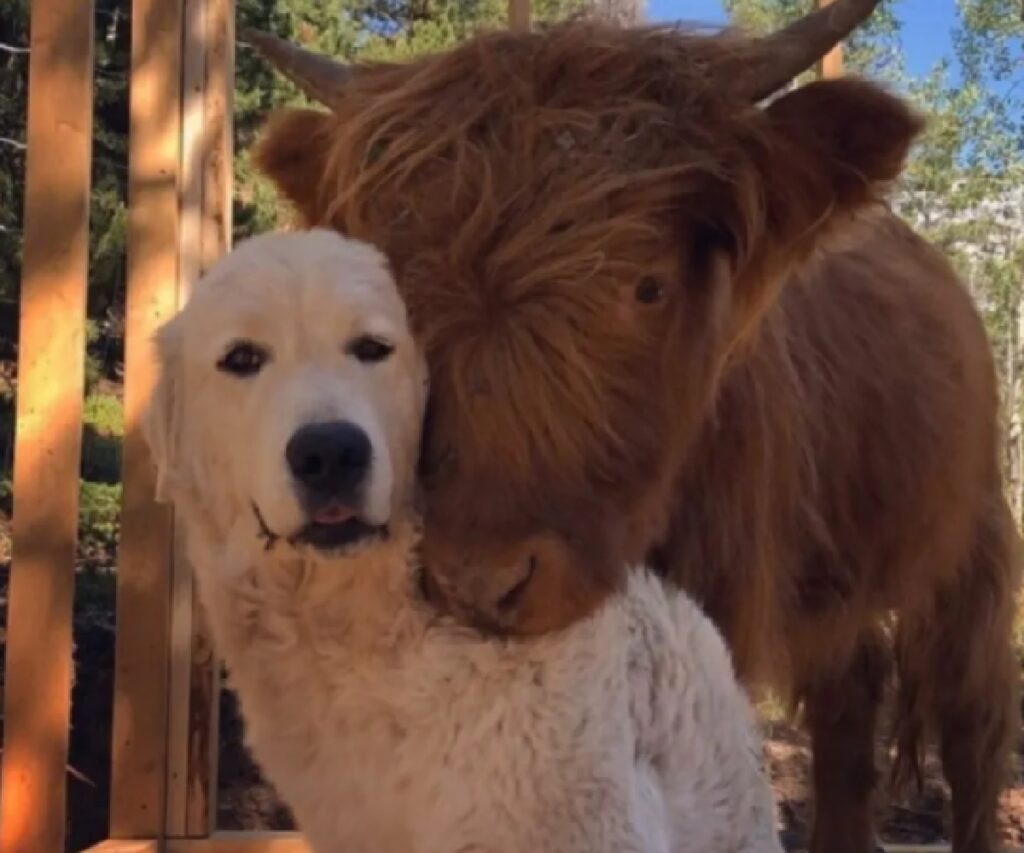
<point>139,749</point>
<point>48,428</point>
<point>193,61</point>
<point>519,15</point>
<point>831,64</point>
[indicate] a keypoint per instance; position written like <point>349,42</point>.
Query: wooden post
<point>519,15</point>
<point>831,64</point>
<point>191,198</point>
<point>139,750</point>
<point>51,375</point>
<point>207,149</point>
<point>215,240</point>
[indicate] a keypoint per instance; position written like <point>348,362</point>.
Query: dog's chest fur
<point>385,730</point>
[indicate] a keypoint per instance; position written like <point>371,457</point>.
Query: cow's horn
<point>783,55</point>
<point>315,74</point>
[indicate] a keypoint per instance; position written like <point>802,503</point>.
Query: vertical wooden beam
<point>519,15</point>
<point>203,731</point>
<point>207,153</point>
<point>37,702</point>
<point>218,148</point>
<point>831,64</point>
<point>139,750</point>
<point>215,240</point>
<point>189,231</point>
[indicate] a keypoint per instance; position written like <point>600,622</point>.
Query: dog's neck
<point>358,603</point>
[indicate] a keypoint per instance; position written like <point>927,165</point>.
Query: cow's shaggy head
<point>586,224</point>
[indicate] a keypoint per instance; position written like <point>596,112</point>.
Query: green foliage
<point>372,30</point>
<point>98,519</point>
<point>6,495</point>
<point>105,414</point>
<point>990,40</point>
<point>99,510</point>
<point>13,100</point>
<point>962,187</point>
<point>874,49</point>
<point>102,437</point>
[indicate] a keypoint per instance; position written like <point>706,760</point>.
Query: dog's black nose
<point>329,459</point>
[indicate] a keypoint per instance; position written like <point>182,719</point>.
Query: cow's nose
<point>329,460</point>
<point>490,596</point>
<point>520,586</point>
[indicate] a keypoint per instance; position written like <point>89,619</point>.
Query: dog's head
<point>290,392</point>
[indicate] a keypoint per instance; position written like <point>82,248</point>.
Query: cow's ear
<point>293,153</point>
<point>835,147</point>
<point>824,154</point>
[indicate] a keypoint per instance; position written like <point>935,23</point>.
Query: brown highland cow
<point>677,324</point>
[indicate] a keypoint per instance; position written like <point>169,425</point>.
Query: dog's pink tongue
<point>333,514</point>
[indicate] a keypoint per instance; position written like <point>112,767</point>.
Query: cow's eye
<point>369,349</point>
<point>243,358</point>
<point>649,291</point>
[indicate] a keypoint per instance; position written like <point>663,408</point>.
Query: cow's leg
<point>842,705</point>
<point>974,676</point>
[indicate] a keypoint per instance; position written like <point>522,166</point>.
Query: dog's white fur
<point>386,727</point>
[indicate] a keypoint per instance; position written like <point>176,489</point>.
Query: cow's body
<point>850,472</point>
<point>850,453</point>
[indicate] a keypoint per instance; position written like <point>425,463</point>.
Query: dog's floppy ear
<point>161,421</point>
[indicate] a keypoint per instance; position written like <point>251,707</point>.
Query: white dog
<point>286,427</point>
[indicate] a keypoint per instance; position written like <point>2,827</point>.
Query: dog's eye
<point>243,359</point>
<point>369,349</point>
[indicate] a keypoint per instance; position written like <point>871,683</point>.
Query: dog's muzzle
<point>329,537</point>
<point>330,464</point>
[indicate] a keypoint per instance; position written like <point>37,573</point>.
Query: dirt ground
<point>919,818</point>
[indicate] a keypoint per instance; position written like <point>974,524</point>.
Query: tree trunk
<point>1016,430</point>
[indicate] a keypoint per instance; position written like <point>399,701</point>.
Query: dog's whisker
<point>270,538</point>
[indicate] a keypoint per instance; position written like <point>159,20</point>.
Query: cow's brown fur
<point>678,326</point>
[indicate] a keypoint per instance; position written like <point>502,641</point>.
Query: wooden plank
<point>519,15</point>
<point>189,251</point>
<point>225,842</point>
<point>291,842</point>
<point>203,743</point>
<point>48,429</point>
<point>242,842</point>
<point>215,240</point>
<point>194,47</point>
<point>179,707</point>
<point>139,750</point>
<point>205,234</point>
<point>218,147</point>
<point>125,846</point>
<point>831,64</point>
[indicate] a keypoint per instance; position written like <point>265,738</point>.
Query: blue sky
<point>926,24</point>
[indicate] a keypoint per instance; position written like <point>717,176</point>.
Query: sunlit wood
<point>831,64</point>
<point>519,14</point>
<point>139,746</point>
<point>37,702</point>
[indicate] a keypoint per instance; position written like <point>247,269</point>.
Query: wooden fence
<point>164,746</point>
